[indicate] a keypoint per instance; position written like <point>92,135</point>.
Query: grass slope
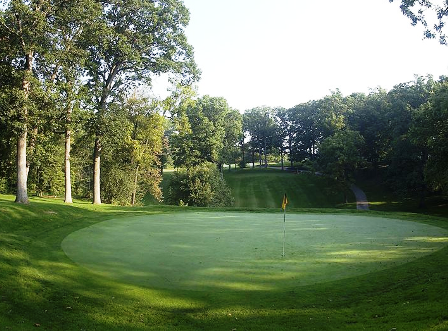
<point>41,287</point>
<point>264,188</point>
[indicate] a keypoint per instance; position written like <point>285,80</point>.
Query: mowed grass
<point>264,188</point>
<point>220,251</point>
<point>41,288</point>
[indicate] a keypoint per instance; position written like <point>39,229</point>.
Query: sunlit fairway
<point>211,251</point>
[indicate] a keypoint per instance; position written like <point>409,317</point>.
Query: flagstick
<point>284,231</point>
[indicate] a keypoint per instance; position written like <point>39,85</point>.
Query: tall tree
<point>25,38</point>
<point>260,124</point>
<point>137,40</point>
<point>203,129</point>
<point>429,132</point>
<point>340,155</point>
<point>67,68</point>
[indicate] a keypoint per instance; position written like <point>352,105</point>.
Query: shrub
<point>201,185</point>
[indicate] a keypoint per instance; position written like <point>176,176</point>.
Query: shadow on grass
<point>40,286</point>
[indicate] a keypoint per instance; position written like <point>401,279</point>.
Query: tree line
<point>72,123</point>
<point>401,134</point>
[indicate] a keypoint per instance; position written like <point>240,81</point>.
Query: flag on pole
<point>285,202</point>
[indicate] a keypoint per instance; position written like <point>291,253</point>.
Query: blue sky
<point>285,52</point>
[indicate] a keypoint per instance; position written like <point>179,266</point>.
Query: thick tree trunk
<point>22,169</point>
<point>96,172</point>
<point>68,183</point>
<point>22,193</point>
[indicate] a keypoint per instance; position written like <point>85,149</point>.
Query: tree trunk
<point>96,172</point>
<point>134,192</point>
<point>281,156</point>
<point>290,153</point>
<point>253,159</point>
<point>265,154</point>
<point>68,184</point>
<point>22,194</point>
<point>22,169</point>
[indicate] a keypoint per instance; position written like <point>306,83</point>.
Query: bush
<point>201,186</point>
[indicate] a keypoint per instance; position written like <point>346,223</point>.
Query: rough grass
<point>41,287</point>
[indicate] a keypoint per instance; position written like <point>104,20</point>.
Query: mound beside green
<point>212,251</point>
<point>264,188</point>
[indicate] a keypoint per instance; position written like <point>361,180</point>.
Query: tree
<point>340,155</point>
<point>65,72</point>
<point>260,125</point>
<point>432,15</point>
<point>233,126</point>
<point>203,129</point>
<point>285,132</point>
<point>307,133</point>
<point>24,27</point>
<point>369,116</point>
<point>430,133</point>
<point>147,142</point>
<point>136,40</point>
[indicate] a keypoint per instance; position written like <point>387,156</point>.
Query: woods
<point>76,121</point>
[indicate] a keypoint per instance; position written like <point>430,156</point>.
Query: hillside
<point>264,188</point>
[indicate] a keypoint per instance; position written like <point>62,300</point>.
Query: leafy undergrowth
<point>41,288</point>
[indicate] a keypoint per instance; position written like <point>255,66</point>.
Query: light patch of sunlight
<point>429,239</point>
<point>375,254</point>
<point>313,229</point>
<point>13,254</point>
<point>232,285</point>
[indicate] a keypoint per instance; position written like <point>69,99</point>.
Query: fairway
<point>242,251</point>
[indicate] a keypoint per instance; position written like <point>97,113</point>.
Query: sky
<point>280,53</point>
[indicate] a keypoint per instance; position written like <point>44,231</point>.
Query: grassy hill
<point>41,288</point>
<point>264,188</point>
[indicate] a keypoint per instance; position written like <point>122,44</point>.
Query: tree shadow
<point>41,286</point>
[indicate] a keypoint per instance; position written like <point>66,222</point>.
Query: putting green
<point>242,251</point>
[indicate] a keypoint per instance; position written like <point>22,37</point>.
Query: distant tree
<point>307,132</point>
<point>260,124</point>
<point>203,131</point>
<point>429,132</point>
<point>340,155</point>
<point>285,133</point>
<point>369,116</point>
<point>233,126</point>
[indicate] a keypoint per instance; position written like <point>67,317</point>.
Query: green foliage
<point>205,131</point>
<point>429,131</point>
<point>46,175</point>
<point>133,144</point>
<point>259,123</point>
<point>340,155</point>
<point>432,15</point>
<point>201,185</point>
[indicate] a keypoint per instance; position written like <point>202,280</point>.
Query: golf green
<point>243,251</point>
